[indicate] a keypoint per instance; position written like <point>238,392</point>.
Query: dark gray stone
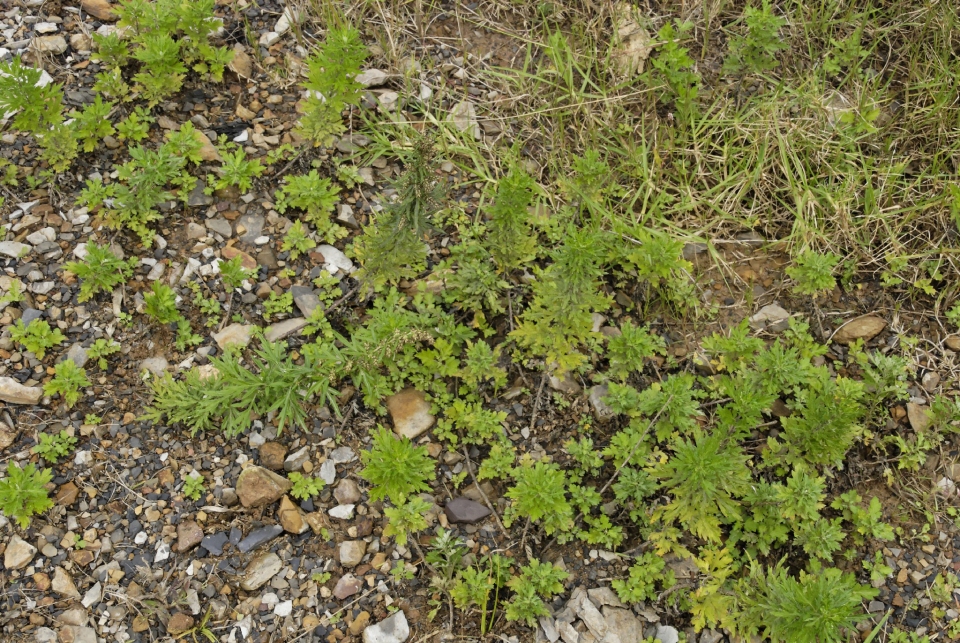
<point>465,510</point>
<point>305,299</point>
<point>214,543</point>
<point>259,537</point>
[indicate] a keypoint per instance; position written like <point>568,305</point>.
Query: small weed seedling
<point>67,382</point>
<point>37,337</point>
<point>53,446</point>
<point>161,304</point>
<point>100,271</point>
<point>305,487</point>
<point>22,492</point>
<point>193,486</point>
<point>101,349</point>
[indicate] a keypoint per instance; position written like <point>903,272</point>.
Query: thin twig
<point>536,403</point>
<point>476,483</point>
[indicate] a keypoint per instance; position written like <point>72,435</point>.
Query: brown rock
<point>99,9</point>
<point>42,581</point>
<point>208,152</point>
<point>67,494</point>
<point>245,114</point>
<point>347,586</point>
<point>865,328</point>
<point>246,260</point>
<point>918,416</point>
<point>410,413</point>
<point>179,623</point>
<point>257,487</point>
<point>13,392</point>
<point>316,521</point>
<point>189,535</point>
<point>953,343</point>
<point>82,557</point>
<point>7,436</point>
<point>165,477</point>
<point>291,517</point>
<point>140,623</point>
<point>241,64</point>
<point>272,455</point>
<point>360,622</point>
<point>63,585</point>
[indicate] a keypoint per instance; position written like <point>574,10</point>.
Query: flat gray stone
<point>667,634</point>
<point>18,553</point>
<point>253,227</point>
<point>295,460</point>
<point>278,331</point>
<point>13,392</point>
<point>464,510</point>
<point>305,299</point>
<point>351,552</point>
<point>220,226</point>
<point>260,571</point>
<point>393,629</point>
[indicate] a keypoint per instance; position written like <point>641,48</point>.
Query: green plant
<point>672,72</point>
<point>825,422</point>
<point>645,573</point>
<point>705,476</point>
<point>316,197</point>
<point>161,303</point>
<point>867,522</point>
<point>36,107</point>
<point>274,383</point>
<point>22,492</point>
<point>392,247</point>
<point>395,467</point>
<point>233,273</point>
<point>14,295</point>
<point>878,570</point>
<point>406,518</point>
<point>846,53</point>
<point>814,608</point>
<point>277,304</point>
<point>135,126</point>
<point>37,337</point>
<point>476,585</point>
<point>509,236</point>
<point>100,349</point>
<point>631,347</point>
<point>58,147</point>
<point>296,241</point>
<point>535,582</point>
<point>559,320</point>
<point>331,83</point>
<point>813,273</point>
<point>236,170</point>
<point>185,335</point>
<point>305,487</point>
<point>92,419</point>
<point>100,270</point>
<point>67,381</point>
<point>193,486</point>
<point>92,124</point>
<point>756,50</point>
<point>539,493</point>
<point>53,446</point>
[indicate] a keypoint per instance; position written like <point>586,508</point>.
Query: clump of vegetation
<point>37,336</point>
<point>67,381</point>
<point>53,446</point>
<point>395,467</point>
<point>331,83</point>
<point>100,270</point>
<point>23,493</point>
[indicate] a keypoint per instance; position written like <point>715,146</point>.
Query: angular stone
<point>591,617</point>
<point>220,226</point>
<point>351,552</point>
<point>305,299</point>
<point>291,517</point>
<point>919,417</point>
<point>260,571</point>
<point>179,623</point>
<point>234,335</point>
<point>601,410</point>
<point>259,537</point>
<point>18,553</point>
<point>242,64</point>
<point>771,318</point>
<point>622,624</point>
<point>347,586</point>
<point>393,629</point>
<point>359,622</point>
<point>334,260</point>
<point>50,44</point>
<point>13,392</point>
<point>63,584</point>
<point>464,510</point>
<point>156,365</point>
<point>92,596</point>
<point>189,535</point>
<point>272,455</point>
<point>604,597</point>
<point>214,543</point>
<point>14,249</point>
<point>99,9</point>
<point>347,492</point>
<point>248,262</point>
<point>78,634</point>
<point>7,435</point>
<point>865,328</point>
<point>278,331</point>
<point>257,487</point>
<point>342,512</point>
<point>667,634</point>
<point>410,413</point>
<point>372,77</point>
<point>296,460</point>
<point>198,198</point>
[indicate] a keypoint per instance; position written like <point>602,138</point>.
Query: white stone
<point>334,260</point>
<point>343,512</point>
<point>269,38</point>
<point>328,471</point>
<point>393,629</point>
<point>18,553</point>
<point>372,77</point>
<point>283,609</point>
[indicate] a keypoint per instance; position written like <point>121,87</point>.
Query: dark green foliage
<point>540,494</point>
<point>536,582</point>
<point>672,73</point>
<point>705,477</point>
<point>67,382</point>
<point>161,303</point>
<point>395,467</point>
<point>237,170</point>
<point>93,123</point>
<point>331,81</point>
<point>228,401</point>
<point>470,275</point>
<point>645,574</point>
<point>631,347</point>
<point>558,322</point>
<point>22,492</point>
<point>813,272</point>
<point>510,239</point>
<point>825,422</point>
<point>100,270</point>
<point>757,49</point>
<point>53,446</point>
<point>37,337</point>
<point>392,247</point>
<point>814,608</point>
<point>316,197</point>
<point>38,108</point>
